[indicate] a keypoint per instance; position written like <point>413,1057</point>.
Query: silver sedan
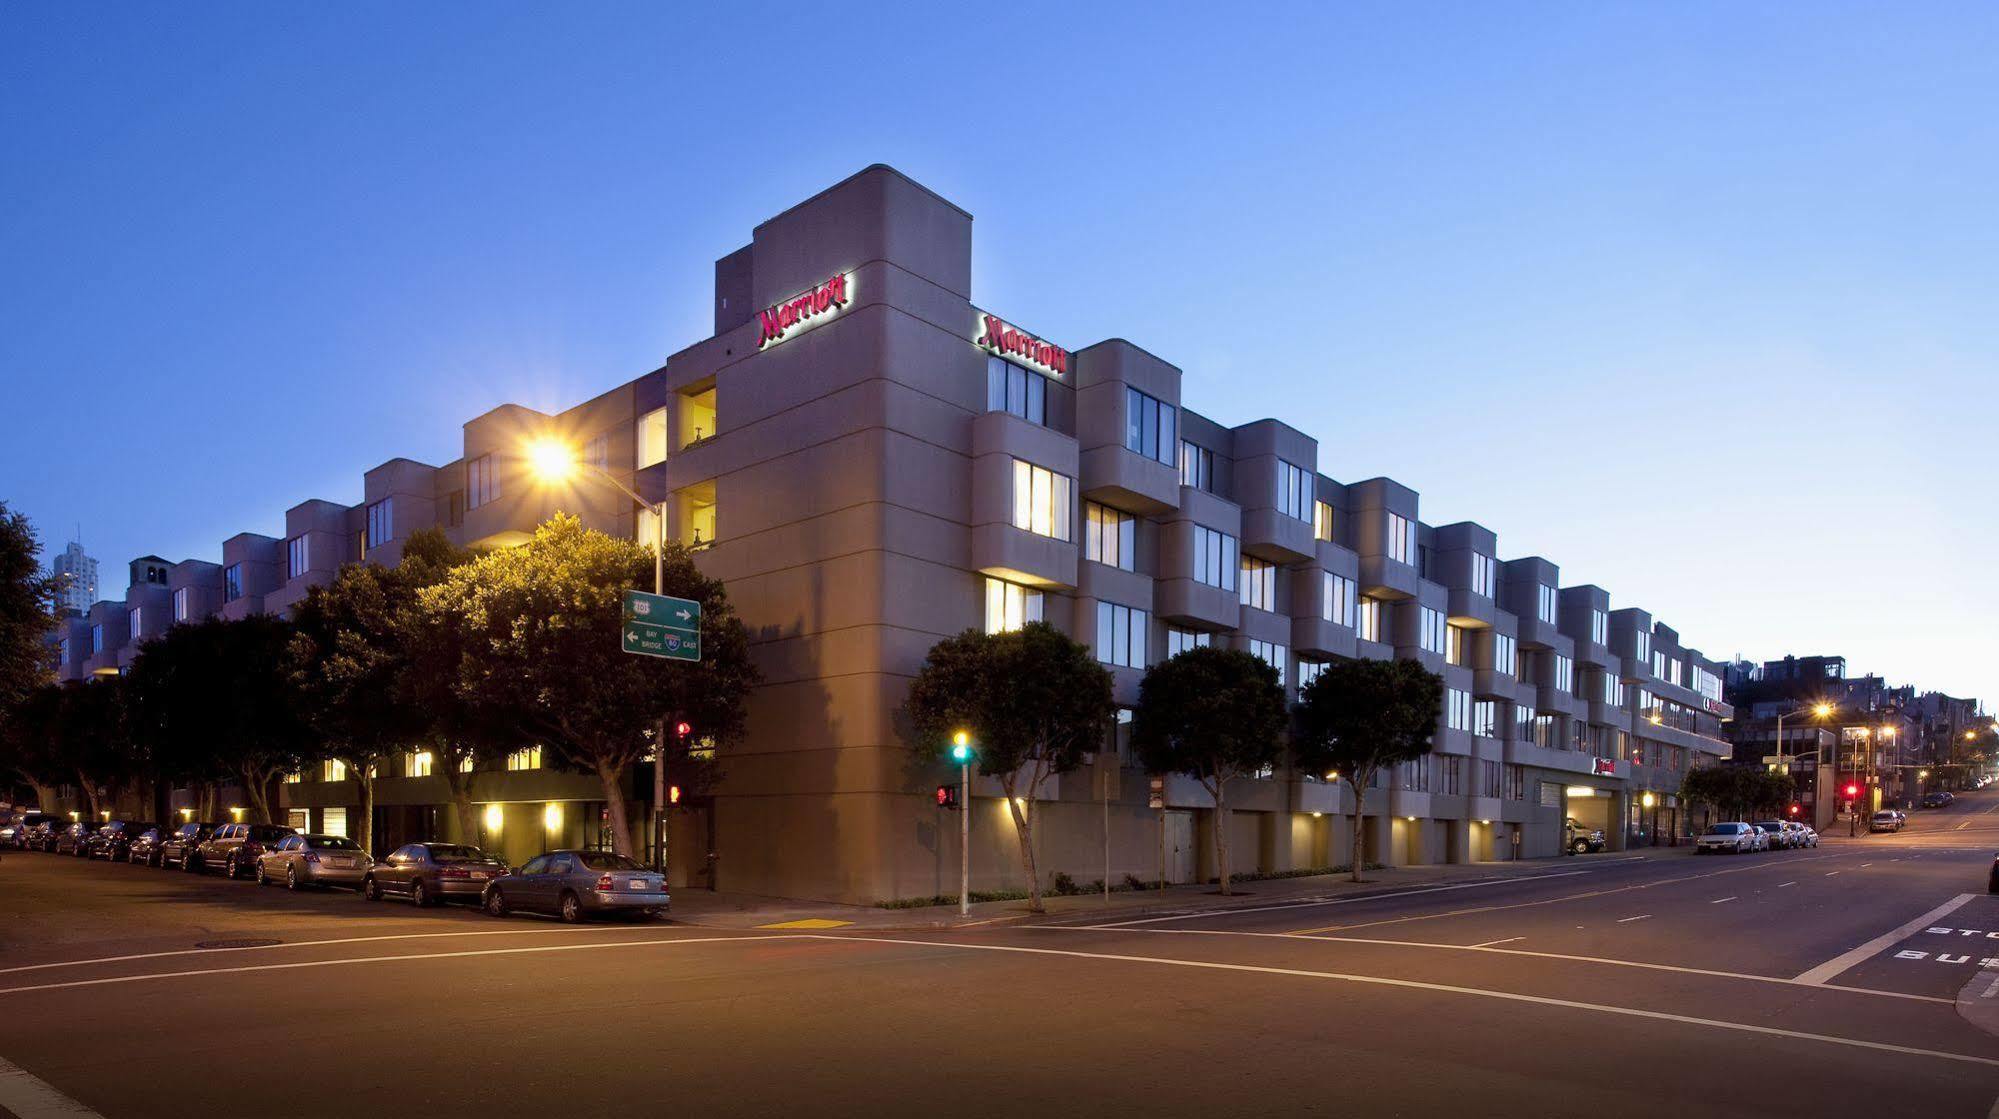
<point>314,860</point>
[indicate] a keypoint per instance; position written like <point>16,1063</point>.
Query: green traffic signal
<point>961,747</point>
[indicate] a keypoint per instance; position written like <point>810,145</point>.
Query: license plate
<point>637,883</point>
<point>481,874</point>
<point>340,864</point>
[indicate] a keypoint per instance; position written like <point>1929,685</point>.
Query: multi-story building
<point>871,461</point>
<point>76,579</point>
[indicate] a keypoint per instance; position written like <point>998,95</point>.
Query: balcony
<point>1127,480</point>
<point>1537,634</point>
<point>1493,683</point>
<point>1523,752</point>
<point>1315,636</point>
<point>1270,534</point>
<point>1465,606</point>
<point>1381,577</point>
<point>1184,600</point>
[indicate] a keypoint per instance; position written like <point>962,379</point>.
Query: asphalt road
<point>1860,978</point>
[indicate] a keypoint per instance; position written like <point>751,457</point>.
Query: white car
<point>1806,836</point>
<point>1728,838</point>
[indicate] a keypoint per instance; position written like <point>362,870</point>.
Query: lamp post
<point>556,461</point>
<point>961,752</point>
<point>1818,711</point>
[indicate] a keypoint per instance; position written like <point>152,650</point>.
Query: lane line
<point>1490,943</point>
<point>1641,965</point>
<point>298,964</point>
<point>1781,885</point>
<point>1628,920</point>
<point>1865,865</point>
<point>1718,901</point>
<point>1847,959</point>
<point>1327,901</point>
<point>1442,988</point>
<point>1830,873</point>
<point>30,1097</point>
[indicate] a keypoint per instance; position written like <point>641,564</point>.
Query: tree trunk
<point>614,800</point>
<point>45,796</point>
<point>1359,854</point>
<point>461,799</point>
<point>1219,790</point>
<point>1023,826</point>
<point>204,801</point>
<point>253,789</point>
<point>366,780</point>
<point>89,788</point>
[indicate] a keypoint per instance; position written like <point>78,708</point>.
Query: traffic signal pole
<point>965,837</point>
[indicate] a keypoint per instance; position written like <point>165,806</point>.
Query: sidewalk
<point>702,909</point>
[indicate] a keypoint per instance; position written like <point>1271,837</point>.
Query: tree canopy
<point>27,602</point>
<point>1359,717</point>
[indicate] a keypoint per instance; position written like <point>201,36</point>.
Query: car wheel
<point>371,890</point>
<point>229,868</point>
<point>291,879</point>
<point>187,863</point>
<point>1579,847</point>
<point>419,895</point>
<point>572,908</point>
<point>496,903</point>
<point>262,878</point>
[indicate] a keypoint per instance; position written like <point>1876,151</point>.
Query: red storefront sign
<point>997,336</point>
<point>824,299</point>
<point>1606,767</point>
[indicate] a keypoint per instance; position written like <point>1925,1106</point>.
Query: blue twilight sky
<point>1698,301</point>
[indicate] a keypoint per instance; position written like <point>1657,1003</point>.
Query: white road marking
<point>1781,885</point>
<point>1847,959</point>
<point>1830,873</point>
<point>30,1097</point>
<point>1866,864</point>
<point>1628,920</point>
<point>1443,988</point>
<point>297,964</point>
<point>1565,956</point>
<point>1487,944</point>
<point>1962,826</point>
<point>1991,989</point>
<point>1329,901</point>
<point>1718,901</point>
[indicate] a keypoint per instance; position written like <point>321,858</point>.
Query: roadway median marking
<point>1781,885</point>
<point>1718,901</point>
<point>1848,959</point>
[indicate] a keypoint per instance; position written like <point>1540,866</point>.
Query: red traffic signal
<point>947,796</point>
<point>1853,790</point>
<point>683,729</point>
<point>1797,808</point>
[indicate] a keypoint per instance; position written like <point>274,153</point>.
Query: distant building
<point>1800,669</point>
<point>76,574</point>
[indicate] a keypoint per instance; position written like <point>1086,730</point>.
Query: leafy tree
<point>1360,717</point>
<point>541,654</point>
<point>351,659</point>
<point>1033,701</point>
<point>27,601</point>
<point>30,743</point>
<point>92,738</point>
<point>1216,715</point>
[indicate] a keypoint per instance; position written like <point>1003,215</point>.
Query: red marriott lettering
<point>824,299</point>
<point>1000,338</point>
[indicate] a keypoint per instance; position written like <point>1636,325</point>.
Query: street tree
<point>1033,702</point>
<point>540,654</point>
<point>92,736</point>
<point>27,605</point>
<point>1215,715</point>
<point>30,748</point>
<point>1359,717</point>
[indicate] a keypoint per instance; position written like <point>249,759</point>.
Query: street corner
<point>1954,955</point>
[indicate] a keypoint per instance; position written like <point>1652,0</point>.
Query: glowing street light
<point>552,460</point>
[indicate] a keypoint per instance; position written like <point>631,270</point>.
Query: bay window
<point>1040,500</point>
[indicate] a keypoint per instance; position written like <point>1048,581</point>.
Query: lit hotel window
<point>1040,500</point>
<point>1322,521</point>
<point>1010,605</point>
<point>1454,645</point>
<point>697,416</point>
<point>525,759</point>
<point>1370,619</point>
<point>417,764</point>
<point>333,769</point>
<point>1259,583</point>
<point>651,438</point>
<point>1109,536</point>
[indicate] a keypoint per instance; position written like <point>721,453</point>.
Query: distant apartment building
<point>870,462</point>
<point>76,579</point>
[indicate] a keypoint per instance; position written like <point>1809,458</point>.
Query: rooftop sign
<point>997,336</point>
<point>825,299</point>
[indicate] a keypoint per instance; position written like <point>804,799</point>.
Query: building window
<point>1271,654</point>
<point>293,778</point>
<point>597,452</point>
<point>698,419</point>
<point>1294,491</point>
<point>381,522</point>
<point>1485,718</point>
<point>1215,558</point>
<point>481,483</point>
<point>1452,779</point>
<point>180,604</point>
<point>1488,780</point>
<point>134,623</point>
<point>1599,627</point>
<point>96,639</point>
<point>232,582</point>
<point>1180,640</point>
<point>650,436</point>
<point>1545,600</point>
<point>333,769</point>
<point>1197,467</point>
<point>1416,774</point>
<point>418,763</point>
<point>1022,392</point>
<point>1457,709</point>
<point>1644,646</point>
<point>1484,571</point>
<point>1308,671</point>
<point>1322,521</point>
<point>298,556</point>
<point>1010,606</point>
<point>1040,500</point>
<point>1565,674</point>
<point>1433,636</point>
<point>1149,426</point>
<point>1454,644</point>
<point>1110,536</point>
<point>1613,689</point>
<point>1505,654</point>
<point>1401,538</point>
<point>1259,583</point>
<point>524,759</point>
<point>454,509</point>
<point>1121,635</point>
<point>1370,619</point>
<point>1516,782</point>
<point>62,652</point>
<point>1544,730</point>
<point>1338,604</point>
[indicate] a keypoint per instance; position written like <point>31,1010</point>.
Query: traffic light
<point>947,797</point>
<point>1797,808</point>
<point>673,794</point>
<point>961,747</point>
<point>683,729</point>
<point>1852,791</point>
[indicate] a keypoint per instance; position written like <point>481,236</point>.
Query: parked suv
<point>1885,820</point>
<point>113,839</point>
<point>235,847</point>
<point>427,873</point>
<point>182,848</point>
<point>16,834</point>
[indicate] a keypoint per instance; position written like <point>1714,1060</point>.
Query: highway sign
<point>657,625</point>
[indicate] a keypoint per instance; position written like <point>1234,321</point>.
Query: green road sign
<point>658,625</point>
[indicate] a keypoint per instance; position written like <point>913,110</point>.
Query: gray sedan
<point>574,884</point>
<point>314,860</point>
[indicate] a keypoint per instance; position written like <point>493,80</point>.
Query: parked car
<point>1731,838</point>
<point>314,860</point>
<point>236,847</point>
<point>1935,800</point>
<point>42,836</point>
<point>1807,837</point>
<point>1885,820</point>
<point>576,884</point>
<point>180,847</point>
<point>1992,879</point>
<point>113,839</point>
<point>145,846</point>
<point>427,873</point>
<point>1780,837</point>
<point>71,840</point>
<point>1577,840</point>
<point>16,834</point>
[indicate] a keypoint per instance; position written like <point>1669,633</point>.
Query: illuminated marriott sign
<point>1002,339</point>
<point>822,300</point>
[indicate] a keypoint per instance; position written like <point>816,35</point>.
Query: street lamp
<point>961,752</point>
<point>552,461</point>
<point>1818,711</point>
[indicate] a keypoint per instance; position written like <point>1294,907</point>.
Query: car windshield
<point>1769,825</point>
<point>600,860</point>
<point>456,853</point>
<point>331,843</point>
<point>1726,829</point>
